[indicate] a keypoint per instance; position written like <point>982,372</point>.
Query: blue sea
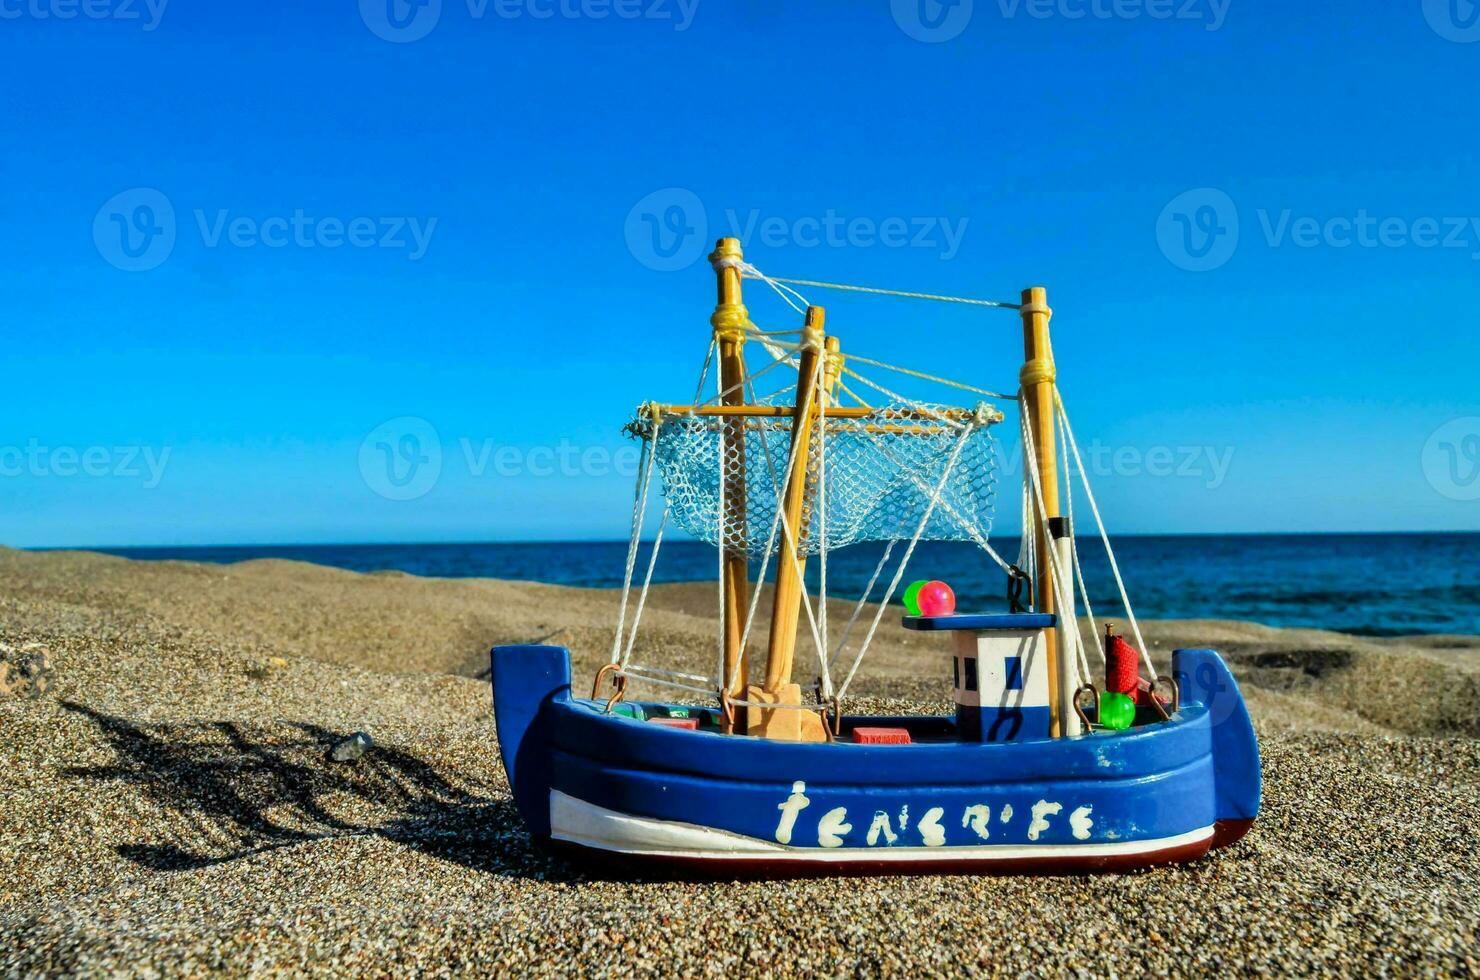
<point>1371,584</point>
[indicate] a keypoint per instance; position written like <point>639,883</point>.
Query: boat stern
<point>527,680</point>
<point>1205,679</point>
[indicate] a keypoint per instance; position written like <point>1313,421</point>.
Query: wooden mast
<point>794,724</point>
<point>730,322</point>
<point>1037,378</point>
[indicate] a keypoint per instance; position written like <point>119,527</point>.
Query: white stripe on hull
<point>578,822</point>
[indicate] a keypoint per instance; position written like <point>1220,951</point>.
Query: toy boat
<point>1039,770</point>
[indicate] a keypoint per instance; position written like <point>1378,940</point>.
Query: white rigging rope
<point>778,522</point>
<point>862,601</point>
<point>904,562</point>
<point>1055,572</point>
<point>1062,580</point>
<point>794,534</point>
<point>1089,495</point>
<point>920,484</point>
<point>704,371</point>
<point>719,579</point>
<point>986,392</point>
<point>747,377</point>
<point>775,282</point>
<point>749,271</point>
<point>920,407</point>
<point>823,667</point>
<point>639,510</point>
<point>642,596</point>
<point>1089,612</point>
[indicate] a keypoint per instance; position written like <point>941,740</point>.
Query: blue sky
<point>242,237</point>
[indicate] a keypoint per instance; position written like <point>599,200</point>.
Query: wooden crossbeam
<point>832,412</point>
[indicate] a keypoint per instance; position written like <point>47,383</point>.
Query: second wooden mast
<point>817,366</point>
<point>730,322</point>
<point>1037,378</point>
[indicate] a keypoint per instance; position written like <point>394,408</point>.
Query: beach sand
<point>168,806</point>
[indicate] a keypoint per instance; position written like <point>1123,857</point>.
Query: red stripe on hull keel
<point>668,867</point>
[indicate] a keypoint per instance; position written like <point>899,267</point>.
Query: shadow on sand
<point>235,790</point>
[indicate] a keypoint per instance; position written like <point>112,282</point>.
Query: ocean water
<point>1372,584</point>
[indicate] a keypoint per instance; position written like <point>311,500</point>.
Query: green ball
<point>1117,711</point>
<point>912,595</point>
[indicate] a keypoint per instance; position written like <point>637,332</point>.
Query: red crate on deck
<point>881,736</point>
<point>692,724</point>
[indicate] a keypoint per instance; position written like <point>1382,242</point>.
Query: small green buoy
<point>1117,711</point>
<point>912,596</point>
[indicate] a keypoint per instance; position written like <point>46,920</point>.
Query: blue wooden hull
<point>617,787</point>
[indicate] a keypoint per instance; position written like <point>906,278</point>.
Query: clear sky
<point>240,238</point>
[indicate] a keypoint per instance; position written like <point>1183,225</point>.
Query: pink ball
<point>936,599</point>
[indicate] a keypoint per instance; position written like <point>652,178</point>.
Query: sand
<point>169,807</point>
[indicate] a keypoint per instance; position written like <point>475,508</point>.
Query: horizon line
<point>623,541</point>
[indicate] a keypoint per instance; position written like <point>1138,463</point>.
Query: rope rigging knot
<point>1038,370</point>
<point>730,322</point>
<point>727,255</point>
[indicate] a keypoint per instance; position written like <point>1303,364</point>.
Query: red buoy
<point>1122,667</point>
